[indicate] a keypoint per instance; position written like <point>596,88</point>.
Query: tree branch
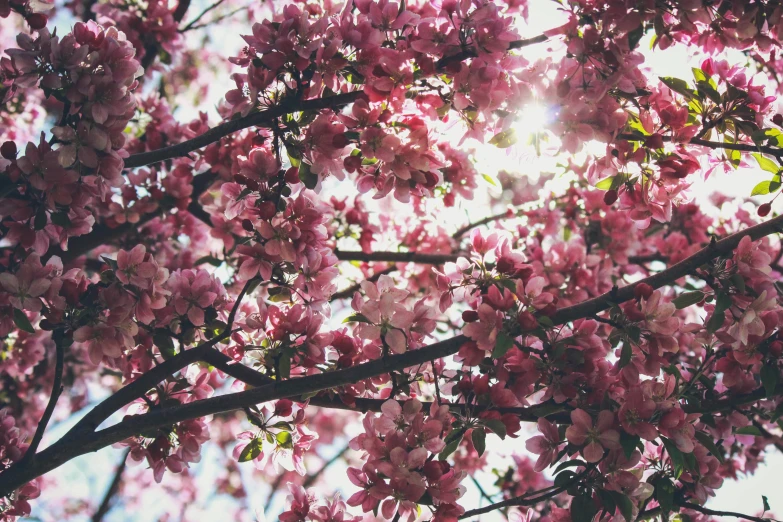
<point>113,487</point>
<point>57,389</point>
<point>744,147</point>
<point>395,257</point>
<point>668,276</point>
<point>67,448</point>
<point>713,512</point>
<point>526,500</point>
<point>256,119</point>
<point>102,234</point>
<point>148,380</point>
<point>348,292</point>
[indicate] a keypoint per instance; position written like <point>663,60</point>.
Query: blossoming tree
<point>321,254</point>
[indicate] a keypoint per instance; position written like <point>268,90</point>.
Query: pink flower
<point>132,269</point>
<point>597,437</point>
<point>635,414</point>
<point>485,331</point>
<point>546,446</point>
<point>300,503</point>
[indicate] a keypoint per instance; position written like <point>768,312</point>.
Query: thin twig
<point>717,513</point>
<point>112,490</point>
<point>57,389</point>
<point>201,15</point>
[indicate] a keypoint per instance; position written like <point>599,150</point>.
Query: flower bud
<point>8,150</point>
<point>610,197</point>
<point>764,209</point>
<point>527,321</point>
<point>777,119</point>
<point>267,210</point>
<point>470,316</point>
<point>292,176</point>
<point>37,21</point>
<point>247,225</point>
<point>642,291</point>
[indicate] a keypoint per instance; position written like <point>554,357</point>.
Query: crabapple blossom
<point>403,232</point>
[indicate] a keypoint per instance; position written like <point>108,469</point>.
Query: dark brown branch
<point>193,22</point>
<point>152,46</point>
<point>439,259</point>
<point>716,513</point>
<point>148,380</point>
<point>57,389</point>
<point>102,234</point>
<point>483,221</point>
<point>471,53</point>
<point>112,490</point>
<point>256,119</point>
<point>529,499</point>
<point>668,276</point>
<point>395,257</point>
<point>743,147</point>
<point>348,292</point>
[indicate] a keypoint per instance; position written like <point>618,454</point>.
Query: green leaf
<point>722,304</point>
<point>634,37</point>
<point>625,505</point>
<point>676,456</point>
<point>356,318</point>
<point>564,478</point>
<point>165,343</point>
<point>582,508</point>
<point>489,180</point>
<point>766,163</point>
<point>678,86</point>
<point>569,464</point>
<point>769,378</point>
<point>251,451</point>
<point>625,355</point>
<point>765,500</point>
<point>664,493</point>
<point>479,437</point>
<point>612,182</point>
<point>212,260</point>
<point>748,430</point>
<point>307,176</point>
<point>765,187</point>
<point>504,139</point>
<point>450,448</point>
<point>284,366</point>
<point>502,345</point>
<point>607,500</point>
<point>699,75</point>
<point>496,426</point>
<point>629,443</point>
<point>687,299</point>
<point>40,220</point>
<point>60,219</point>
<point>707,442</point>
<point>22,322</point>
<point>284,440</point>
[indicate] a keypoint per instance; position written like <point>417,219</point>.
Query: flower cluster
<point>398,472</point>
